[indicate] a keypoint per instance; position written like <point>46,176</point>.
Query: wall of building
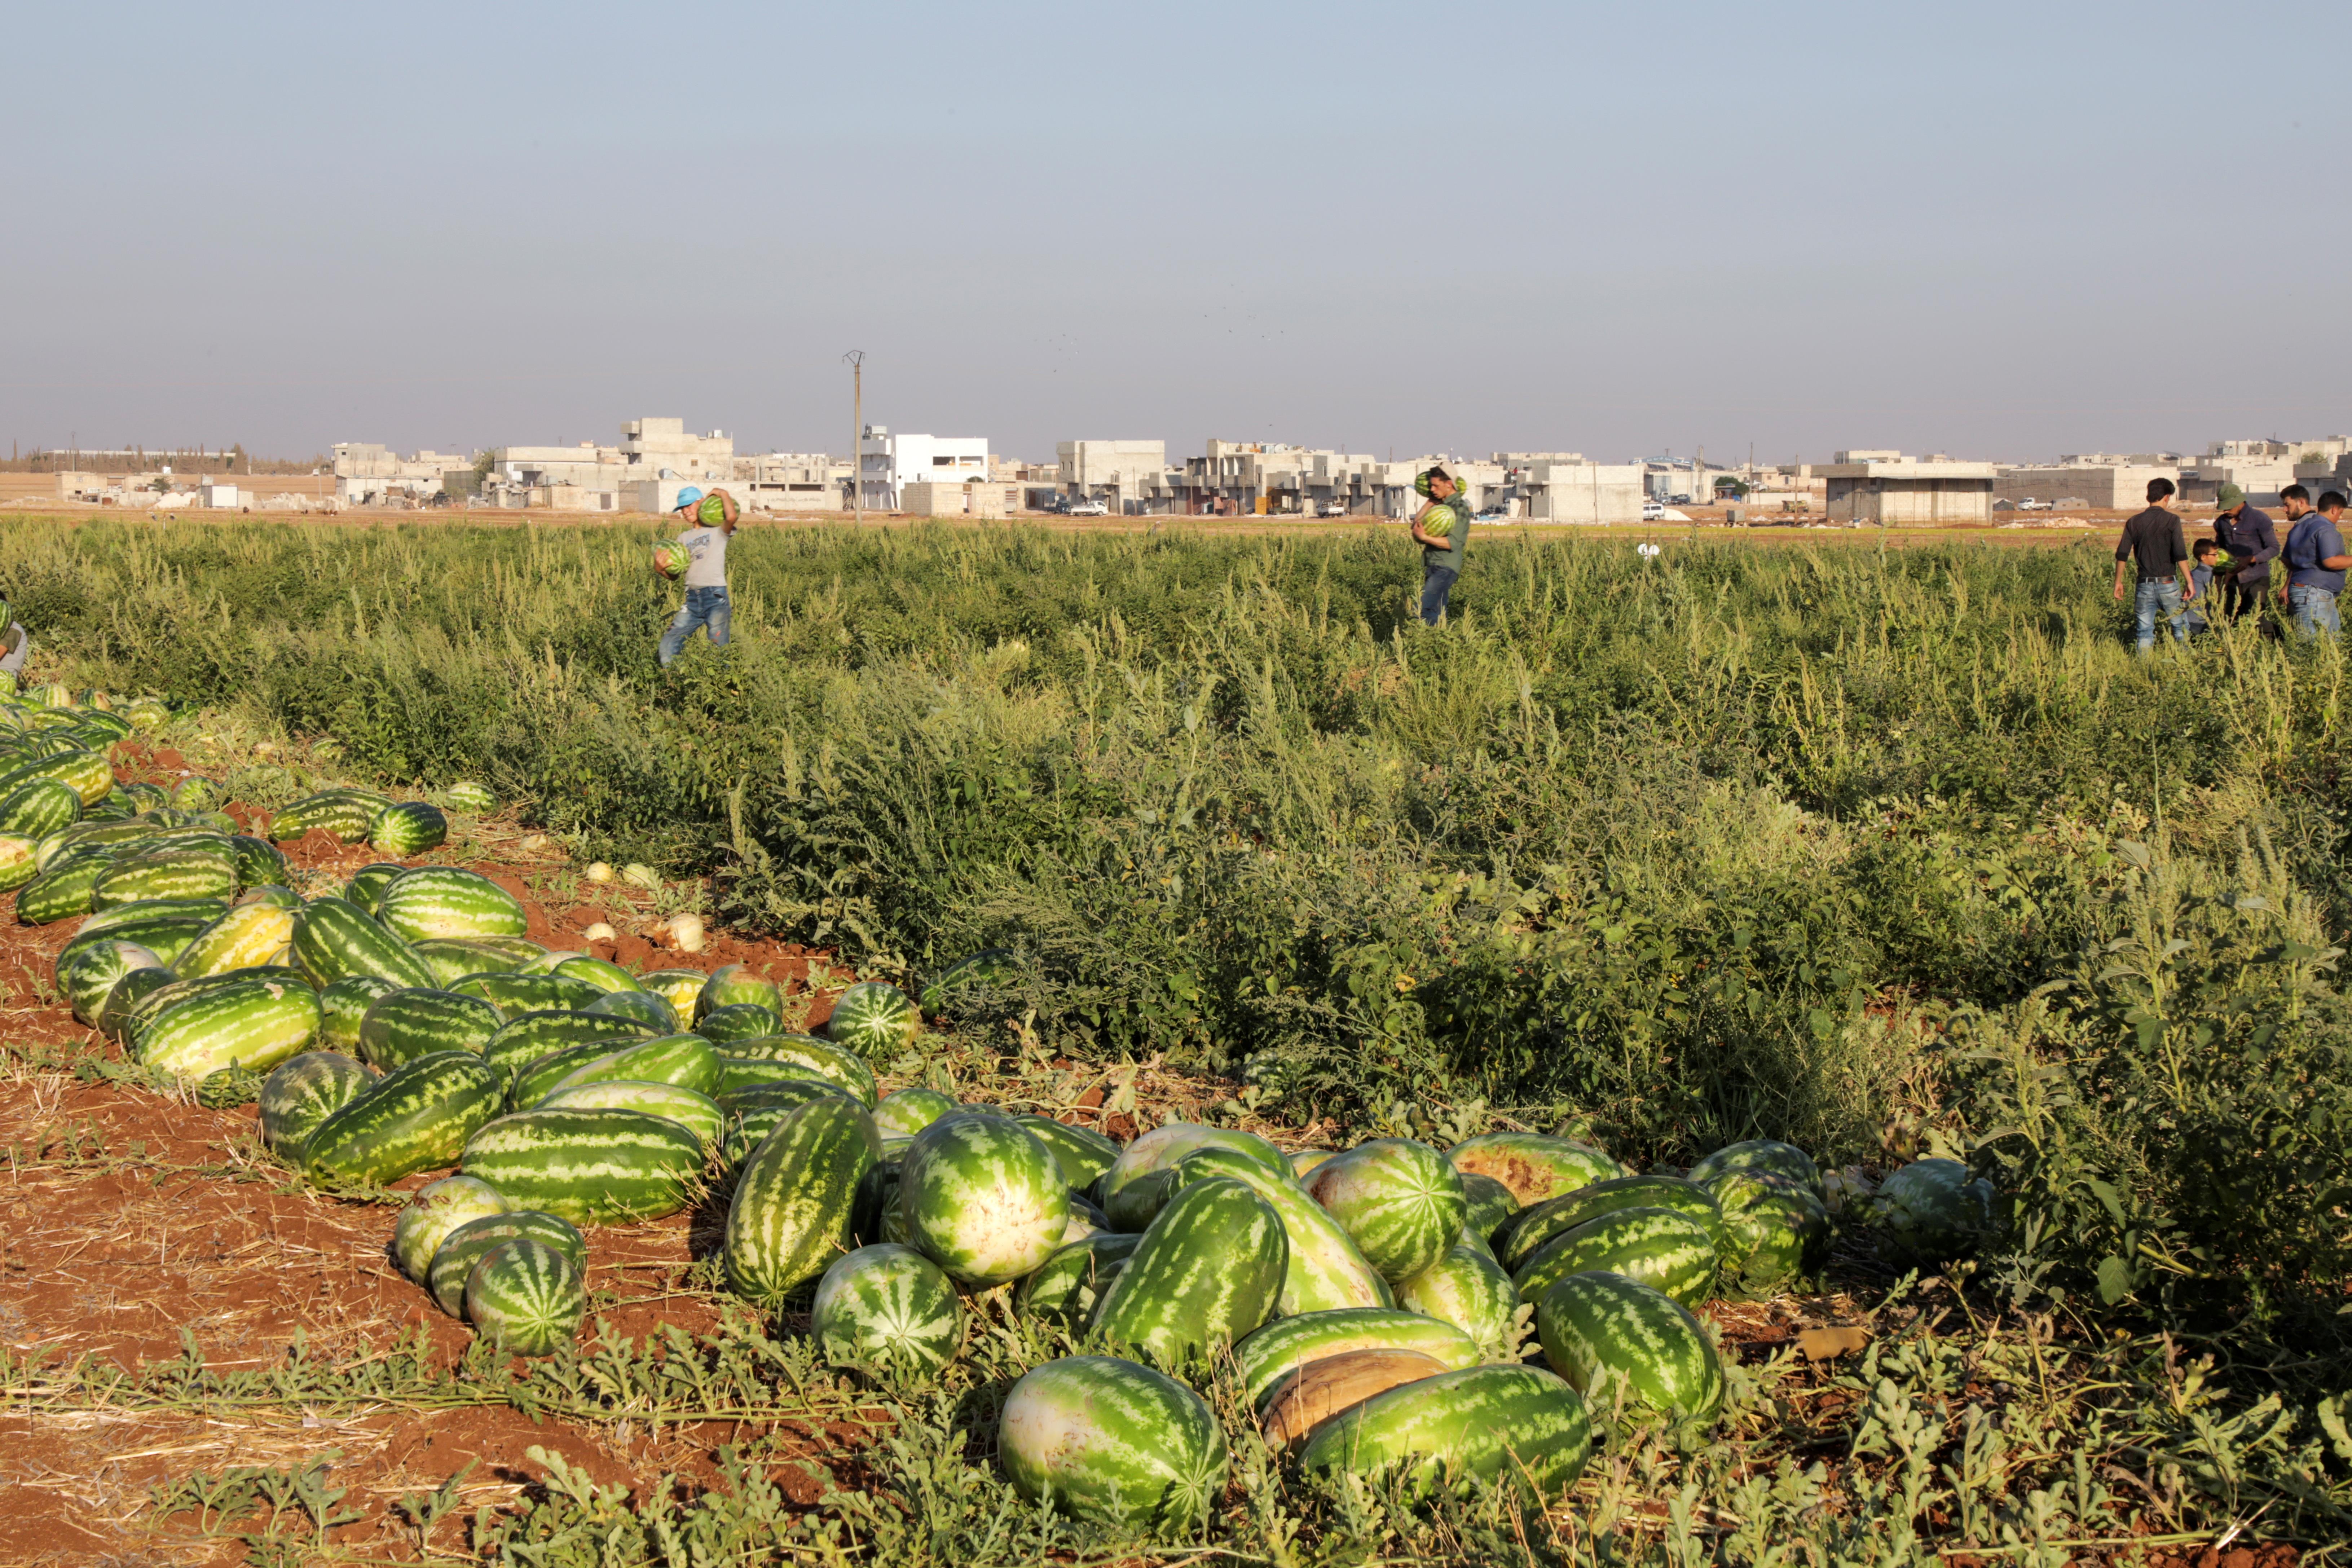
<point>1894,502</point>
<point>2110,485</point>
<point>1584,492</point>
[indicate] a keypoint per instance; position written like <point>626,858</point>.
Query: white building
<point>888,464</point>
<point>1124,475</point>
<point>1886,486</point>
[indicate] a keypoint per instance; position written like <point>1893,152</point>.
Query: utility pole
<point>855,359</point>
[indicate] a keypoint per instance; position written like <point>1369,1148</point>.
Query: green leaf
<point>2114,1279</point>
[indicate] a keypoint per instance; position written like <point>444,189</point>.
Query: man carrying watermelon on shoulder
<point>1441,528</point>
<point>700,555</point>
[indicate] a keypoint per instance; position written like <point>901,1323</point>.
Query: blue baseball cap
<point>688,497</point>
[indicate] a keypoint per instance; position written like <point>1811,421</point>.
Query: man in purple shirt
<point>2252,543</point>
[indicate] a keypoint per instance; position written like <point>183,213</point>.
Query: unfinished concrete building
<point>1124,475</point>
<point>1886,488</point>
<point>2112,484</point>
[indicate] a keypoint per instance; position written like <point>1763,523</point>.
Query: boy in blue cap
<point>712,519</point>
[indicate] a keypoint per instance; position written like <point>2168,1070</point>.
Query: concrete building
<point>664,449</point>
<point>2112,483</point>
<point>2261,468</point>
<point>887,464</point>
<point>793,481</point>
<point>1563,487</point>
<point>1124,475</point>
<point>367,474</point>
<point>1887,488</point>
<point>970,498</point>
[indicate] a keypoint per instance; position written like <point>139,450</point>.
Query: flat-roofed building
<point>1886,488</point>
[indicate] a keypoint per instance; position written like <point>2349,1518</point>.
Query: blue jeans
<point>1436,582</point>
<point>2314,609</point>
<point>703,607</point>
<point>2163,596</point>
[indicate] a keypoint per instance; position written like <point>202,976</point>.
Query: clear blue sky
<point>2000,231</point>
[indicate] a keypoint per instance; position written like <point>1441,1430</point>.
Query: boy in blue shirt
<point>2315,558</point>
<point>2200,577</point>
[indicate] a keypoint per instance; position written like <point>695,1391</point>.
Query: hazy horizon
<point>2004,232</point>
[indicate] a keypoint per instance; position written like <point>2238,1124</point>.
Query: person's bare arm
<point>726,506</point>
<point>1421,536</point>
<point>2119,579</point>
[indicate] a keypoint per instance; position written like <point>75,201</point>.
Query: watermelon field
<point>1127,1049</point>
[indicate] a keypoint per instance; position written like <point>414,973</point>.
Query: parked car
<point>1088,508</point>
<point>2030,504</point>
<point>1678,501</point>
<point>1652,511</point>
<point>1335,509</point>
<point>1495,516</point>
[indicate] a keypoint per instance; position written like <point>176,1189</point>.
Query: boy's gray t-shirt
<point>706,549</point>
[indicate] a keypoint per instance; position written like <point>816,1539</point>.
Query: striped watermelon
<point>526,1037</point>
<point>63,890</point>
<point>86,772</point>
<point>873,1019</point>
<point>749,1072</point>
<point>821,1057</point>
<point>277,897</point>
<point>367,884</point>
<point>1163,1146</point>
<point>259,862</point>
<point>133,1021</point>
<point>246,935</point>
<point>133,988</point>
<point>982,1198</point>
<point>1067,1286</point>
<point>17,866</point>
<point>332,940</point>
<point>453,1259</point>
<point>1513,1424</point>
<point>344,1005</point>
<point>794,1200</point>
<point>1113,1443</point>
<point>89,834</point>
<point>903,1113</point>
<point>86,971</point>
<point>887,1306</point>
<point>36,809</point>
<point>1490,1205</point>
<point>1208,1271</point>
<point>526,1297</point>
<point>347,813</point>
<point>301,1093</point>
<point>592,1167</point>
<point>1082,1154</point>
<point>641,1006</point>
<point>518,993</point>
<point>1593,1324</point>
<point>738,1021</point>
<point>1535,1225</point>
<point>1931,1212</point>
<point>996,969</point>
<point>456,958</point>
<point>604,976</point>
<point>420,1022</point>
<point>408,828</point>
<point>416,1117</point>
<point>1469,1289</point>
<point>534,1082</point>
<point>1532,1166</point>
<point>679,988</point>
<point>749,1115</point>
<point>438,1209</point>
<point>1399,1201</point>
<point>1325,1270</point>
<point>205,872</point>
<point>731,984</point>
<point>697,1114</point>
<point>251,1024</point>
<point>1285,1345</point>
<point>197,793</point>
<point>473,799</point>
<point>446,901</point>
<point>1762,1154</point>
<point>687,1060</point>
<point>1661,1247</point>
<point>1774,1230</point>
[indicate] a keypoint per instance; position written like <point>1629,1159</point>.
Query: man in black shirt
<point>2152,540</point>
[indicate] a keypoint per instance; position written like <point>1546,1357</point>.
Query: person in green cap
<point>712,518</point>
<point>2252,543</point>
<point>1441,528</point>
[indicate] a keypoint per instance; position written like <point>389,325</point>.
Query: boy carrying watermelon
<point>711,520</point>
<point>1441,528</point>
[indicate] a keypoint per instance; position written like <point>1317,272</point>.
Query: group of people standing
<point>2175,586</point>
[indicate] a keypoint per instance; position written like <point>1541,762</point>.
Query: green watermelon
<point>1113,1443</point>
<point>260,863</point>
<point>529,1037</point>
<point>347,813</point>
<point>333,940</point>
<point>1666,1249</point>
<point>1593,1323</point>
<point>903,1113</point>
<point>643,1006</point>
<point>513,993</point>
<point>254,1023</point>
<point>456,958</point>
<point>526,1297</point>
<point>1083,1155</point>
<point>1512,1424</point>
<point>889,1306</point>
<point>63,890</point>
<point>408,1024</point>
<point>1774,1230</point>
<point>438,1209</point>
<point>791,1212</point>
<point>995,969</point>
<point>343,1005</point>
<point>749,1072</point>
<point>1325,1270</point>
<point>367,884</point>
<point>738,985</point>
<point>1398,1200</point>
<point>1469,1289</point>
<point>738,1021</point>
<point>274,895</point>
<point>1208,1271</point>
<point>873,1019</point>
<point>1532,1226</point>
<point>1760,1154</point>
<point>679,988</point>
<point>983,1198</point>
<point>473,799</point>
<point>821,1057</point>
<point>88,971</point>
<point>698,1113</point>
<point>1932,1212</point>
<point>592,1167</point>
<point>447,901</point>
<point>408,829</point>
<point>453,1259</point>
<point>1162,1147</point>
<point>1490,1205</point>
<point>113,1013</point>
<point>1285,1345</point>
<point>1067,1285</point>
<point>304,1091</point>
<point>36,809</point>
<point>1532,1166</point>
<point>748,1116</point>
<point>535,1082</point>
<point>197,793</point>
<point>194,872</point>
<point>687,1060</point>
<point>418,1117</point>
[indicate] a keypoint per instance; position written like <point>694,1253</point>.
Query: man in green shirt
<point>1441,528</point>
